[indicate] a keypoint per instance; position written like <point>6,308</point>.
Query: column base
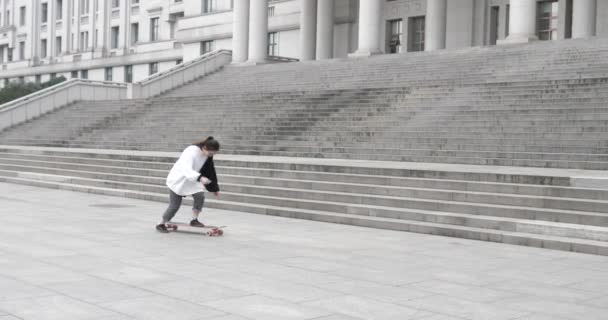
<point>363,53</point>
<point>517,39</point>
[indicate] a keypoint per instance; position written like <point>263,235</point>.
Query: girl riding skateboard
<point>191,175</point>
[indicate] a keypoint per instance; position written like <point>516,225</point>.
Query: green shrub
<point>17,90</point>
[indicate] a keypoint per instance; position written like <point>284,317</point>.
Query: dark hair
<point>210,144</point>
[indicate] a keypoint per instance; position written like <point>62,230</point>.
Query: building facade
<point>128,40</point>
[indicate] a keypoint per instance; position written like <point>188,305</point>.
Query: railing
<point>180,74</point>
<point>276,59</point>
<point>62,94</point>
<point>59,95</point>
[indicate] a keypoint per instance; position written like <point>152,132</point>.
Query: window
<point>153,68</point>
<point>22,50</point>
<point>134,33</point>
<point>45,12</point>
<point>9,54</point>
<point>108,74</point>
<point>416,34</point>
<point>58,46</point>
<point>507,20</point>
<point>114,39</point>
<point>271,11</point>
<point>43,49</point>
<point>7,20</point>
<point>115,3</point>
<point>207,46</point>
<point>84,74</point>
<point>128,74</point>
<point>22,15</point>
<point>494,16</point>
<point>38,79</point>
<point>154,29</point>
<point>84,7</point>
<point>208,6</point>
<point>59,10</point>
<point>134,1</point>
<point>53,76</point>
<point>74,74</point>
<point>395,36</point>
<point>84,40</point>
<point>546,21</point>
<point>21,80</point>
<point>179,61</point>
<point>273,44</point>
<point>172,23</point>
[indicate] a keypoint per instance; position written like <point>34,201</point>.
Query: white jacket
<point>182,177</point>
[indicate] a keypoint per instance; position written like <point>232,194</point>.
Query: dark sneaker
<point>162,228</point>
<point>196,223</point>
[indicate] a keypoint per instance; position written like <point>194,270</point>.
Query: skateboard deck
<point>211,231</point>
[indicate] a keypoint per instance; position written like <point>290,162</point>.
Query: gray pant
<point>175,201</point>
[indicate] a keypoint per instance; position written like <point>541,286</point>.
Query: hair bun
<point>210,138</point>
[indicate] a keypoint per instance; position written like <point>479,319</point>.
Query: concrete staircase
<point>515,124</point>
<point>534,207</point>
<point>505,144</point>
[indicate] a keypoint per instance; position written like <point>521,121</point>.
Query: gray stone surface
<point>63,256</point>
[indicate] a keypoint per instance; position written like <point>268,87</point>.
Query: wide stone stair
<point>515,124</point>
<point>533,207</point>
<point>505,144</point>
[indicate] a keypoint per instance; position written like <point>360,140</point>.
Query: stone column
<point>522,22</point>
<point>584,15</point>
<point>308,29</point>
<point>435,24</point>
<point>76,24</point>
<point>50,25</point>
<point>126,22</point>
<point>258,31</point>
<point>240,31</point>
<point>106,29</point>
<point>67,22</point>
<point>370,17</point>
<point>35,32</point>
<point>325,29</point>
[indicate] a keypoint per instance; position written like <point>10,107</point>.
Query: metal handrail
<point>282,59</point>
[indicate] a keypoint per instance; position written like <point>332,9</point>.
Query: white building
<point>127,40</point>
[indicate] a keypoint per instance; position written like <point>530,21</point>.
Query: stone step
<point>361,167</point>
<point>510,237</point>
<point>353,146</point>
<point>557,160</point>
<point>150,171</point>
<point>468,158</point>
<point>330,191</point>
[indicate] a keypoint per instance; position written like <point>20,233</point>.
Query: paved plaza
<point>66,255</point>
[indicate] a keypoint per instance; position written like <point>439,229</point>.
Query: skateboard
<point>211,231</point>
